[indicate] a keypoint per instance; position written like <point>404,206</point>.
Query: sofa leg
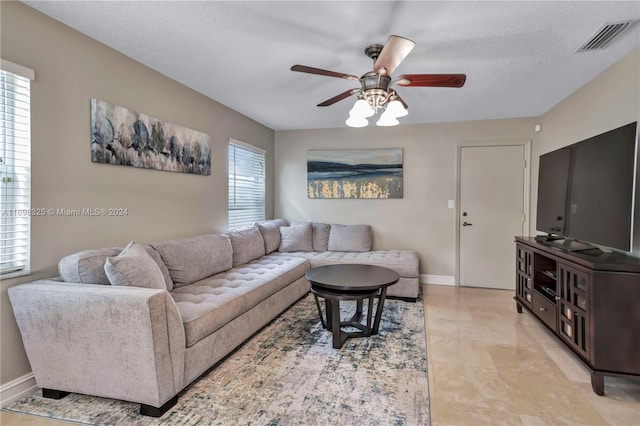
<point>151,411</point>
<point>53,394</point>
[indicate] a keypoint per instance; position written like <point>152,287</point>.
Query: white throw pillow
<point>296,238</point>
<point>134,267</point>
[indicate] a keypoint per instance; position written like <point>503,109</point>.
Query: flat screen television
<point>586,190</point>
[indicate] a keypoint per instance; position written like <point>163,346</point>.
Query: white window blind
<point>15,169</point>
<point>246,184</point>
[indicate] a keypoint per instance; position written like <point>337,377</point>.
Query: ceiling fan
<point>374,91</point>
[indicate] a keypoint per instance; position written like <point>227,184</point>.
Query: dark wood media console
<point>590,302</point>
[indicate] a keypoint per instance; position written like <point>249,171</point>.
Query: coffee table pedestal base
<point>332,309</point>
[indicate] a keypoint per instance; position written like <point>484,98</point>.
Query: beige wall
<point>610,100</point>
<point>421,220</point>
<point>70,70</point>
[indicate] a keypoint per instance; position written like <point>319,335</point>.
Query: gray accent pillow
<point>349,238</point>
<point>192,259</point>
<point>320,234</point>
<point>87,266</point>
<point>134,267</point>
<point>296,238</point>
<point>163,268</point>
<point>270,231</point>
<point>247,245</point>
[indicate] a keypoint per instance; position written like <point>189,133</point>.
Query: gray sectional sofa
<point>140,323</point>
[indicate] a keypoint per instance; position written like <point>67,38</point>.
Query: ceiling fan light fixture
<point>361,109</point>
<point>355,121</point>
<point>375,93</point>
<point>396,109</point>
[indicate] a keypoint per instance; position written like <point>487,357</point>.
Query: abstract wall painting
<point>127,138</point>
<point>361,173</point>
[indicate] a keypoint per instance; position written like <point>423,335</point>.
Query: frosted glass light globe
<point>361,109</point>
<point>387,119</point>
<point>396,109</point>
<point>354,121</point>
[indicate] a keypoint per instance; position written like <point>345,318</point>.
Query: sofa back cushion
<point>320,234</point>
<point>192,259</point>
<point>247,245</point>
<point>349,238</point>
<point>270,230</point>
<point>87,266</point>
<point>134,267</point>
<point>296,238</point>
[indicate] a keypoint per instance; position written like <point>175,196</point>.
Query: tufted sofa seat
<point>404,262</point>
<point>207,305</point>
<point>330,244</point>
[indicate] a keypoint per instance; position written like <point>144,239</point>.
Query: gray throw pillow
<point>296,238</point>
<point>134,267</point>
<point>320,234</point>
<point>270,230</point>
<point>350,238</point>
<point>163,268</point>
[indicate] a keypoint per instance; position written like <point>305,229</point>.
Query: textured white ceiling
<point>519,57</point>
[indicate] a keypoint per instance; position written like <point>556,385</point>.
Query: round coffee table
<point>335,283</point>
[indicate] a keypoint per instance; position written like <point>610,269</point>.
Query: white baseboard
<point>437,279</point>
<point>17,389</point>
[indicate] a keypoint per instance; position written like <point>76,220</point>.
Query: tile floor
<point>489,365</point>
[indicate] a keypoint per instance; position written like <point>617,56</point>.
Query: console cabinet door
<point>573,314</point>
<point>524,275</point>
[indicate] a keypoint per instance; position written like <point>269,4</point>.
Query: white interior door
<point>491,212</point>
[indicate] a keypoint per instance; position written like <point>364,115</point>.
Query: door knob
<point>466,224</point>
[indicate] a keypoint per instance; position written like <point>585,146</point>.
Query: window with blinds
<point>15,169</point>
<point>246,184</point>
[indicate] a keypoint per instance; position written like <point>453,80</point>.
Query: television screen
<point>585,190</point>
<point>553,183</point>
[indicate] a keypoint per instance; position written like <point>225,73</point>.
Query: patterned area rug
<point>288,373</point>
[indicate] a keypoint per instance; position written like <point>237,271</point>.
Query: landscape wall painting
<point>127,138</point>
<point>361,173</point>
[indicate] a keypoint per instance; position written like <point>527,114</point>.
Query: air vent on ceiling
<point>605,35</point>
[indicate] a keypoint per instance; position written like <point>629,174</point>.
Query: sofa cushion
<point>209,304</point>
<point>296,238</point>
<point>404,262</point>
<point>320,234</point>
<point>87,266</point>
<point>192,259</point>
<point>270,230</point>
<point>247,245</point>
<point>349,238</point>
<point>134,267</point>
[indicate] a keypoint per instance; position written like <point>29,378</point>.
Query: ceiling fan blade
<point>404,104</point>
<point>394,51</point>
<point>318,71</point>
<point>339,97</point>
<point>431,80</point>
